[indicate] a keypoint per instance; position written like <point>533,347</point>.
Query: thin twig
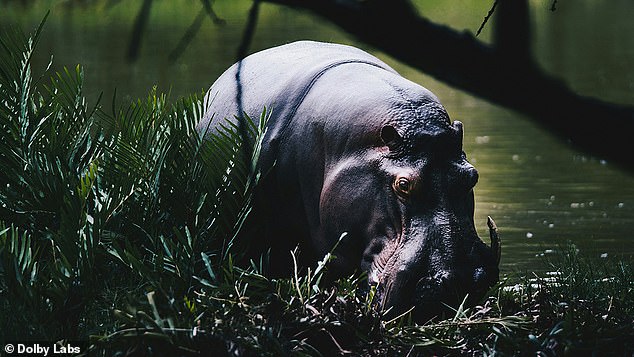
<point>486,18</point>
<point>212,14</point>
<point>192,30</point>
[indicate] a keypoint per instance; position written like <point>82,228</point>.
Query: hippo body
<point>353,147</point>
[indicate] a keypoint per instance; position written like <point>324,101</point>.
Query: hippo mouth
<point>441,294</point>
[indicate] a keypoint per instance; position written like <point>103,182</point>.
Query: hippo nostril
<point>483,278</point>
<point>436,287</point>
<point>425,286</point>
<point>479,276</point>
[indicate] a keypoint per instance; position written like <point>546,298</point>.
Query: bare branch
<point>140,24</point>
<point>487,17</point>
<point>193,29</point>
<point>460,60</point>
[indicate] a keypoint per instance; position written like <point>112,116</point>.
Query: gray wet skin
<point>354,147</point>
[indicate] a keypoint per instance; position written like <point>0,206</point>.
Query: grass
<point>118,226</point>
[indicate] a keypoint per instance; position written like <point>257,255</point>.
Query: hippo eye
<point>403,185</point>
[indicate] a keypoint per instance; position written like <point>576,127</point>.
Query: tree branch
<point>140,23</point>
<point>460,60</point>
<point>487,18</point>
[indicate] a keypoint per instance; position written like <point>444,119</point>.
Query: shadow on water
<point>540,191</point>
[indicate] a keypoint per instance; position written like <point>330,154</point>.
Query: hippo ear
<point>390,136</point>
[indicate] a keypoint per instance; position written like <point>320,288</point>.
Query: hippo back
<point>279,79</point>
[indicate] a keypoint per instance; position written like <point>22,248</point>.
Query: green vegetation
<point>118,226</point>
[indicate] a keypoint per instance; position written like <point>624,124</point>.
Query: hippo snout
<point>442,287</point>
<point>448,289</point>
<point>485,277</point>
<point>438,283</point>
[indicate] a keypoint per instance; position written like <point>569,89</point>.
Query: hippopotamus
<point>353,148</point>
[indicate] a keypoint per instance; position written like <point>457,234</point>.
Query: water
<point>541,192</point>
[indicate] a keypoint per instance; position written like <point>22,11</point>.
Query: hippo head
<point>410,207</point>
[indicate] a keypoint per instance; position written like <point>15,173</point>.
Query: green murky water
<point>541,191</point>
